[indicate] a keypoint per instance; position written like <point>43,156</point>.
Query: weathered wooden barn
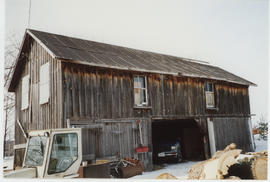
<point>60,80</point>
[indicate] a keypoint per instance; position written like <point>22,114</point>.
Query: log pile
<point>166,176</point>
<point>216,167</point>
<point>225,165</point>
<point>257,162</point>
<point>259,168</point>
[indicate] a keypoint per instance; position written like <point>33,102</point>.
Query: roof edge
<point>27,32</point>
<point>16,63</point>
<point>41,43</point>
<point>115,67</point>
<point>150,71</point>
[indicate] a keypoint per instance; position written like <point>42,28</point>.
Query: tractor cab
<point>50,154</point>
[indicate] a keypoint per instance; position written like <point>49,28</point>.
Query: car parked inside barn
<point>167,150</point>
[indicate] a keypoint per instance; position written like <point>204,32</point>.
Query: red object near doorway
<point>142,149</point>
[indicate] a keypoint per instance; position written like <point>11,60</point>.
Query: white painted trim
<point>25,92</point>
<point>145,88</point>
<point>41,43</point>
<point>44,83</point>
<point>211,134</point>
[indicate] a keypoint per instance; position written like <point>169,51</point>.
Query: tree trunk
<point>259,167</point>
<point>166,176</point>
<point>216,167</point>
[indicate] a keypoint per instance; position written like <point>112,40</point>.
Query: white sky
<point>231,34</point>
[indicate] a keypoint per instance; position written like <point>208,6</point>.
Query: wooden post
<point>68,123</point>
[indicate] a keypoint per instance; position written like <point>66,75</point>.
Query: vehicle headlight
<point>173,147</point>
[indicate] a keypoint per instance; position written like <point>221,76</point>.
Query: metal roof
<point>111,56</point>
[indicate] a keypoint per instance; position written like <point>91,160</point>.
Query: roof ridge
<point>89,52</point>
<point>135,49</point>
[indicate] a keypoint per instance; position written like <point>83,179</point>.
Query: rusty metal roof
<point>111,56</point>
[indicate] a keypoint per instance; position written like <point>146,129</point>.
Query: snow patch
<point>179,170</point>
<point>8,163</point>
<point>260,143</point>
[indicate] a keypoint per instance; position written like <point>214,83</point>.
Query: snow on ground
<point>260,144</point>
<point>179,170</point>
<point>8,163</point>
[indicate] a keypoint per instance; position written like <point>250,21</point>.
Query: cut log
<point>216,167</point>
<point>252,165</point>
<point>166,176</point>
<point>262,153</point>
<point>259,168</point>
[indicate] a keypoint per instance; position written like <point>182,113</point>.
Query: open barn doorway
<point>165,133</point>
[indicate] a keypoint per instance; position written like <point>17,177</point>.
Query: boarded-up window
<point>140,91</point>
<point>44,74</point>
<point>209,95</point>
<point>25,92</point>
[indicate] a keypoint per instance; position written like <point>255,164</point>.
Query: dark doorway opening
<point>185,130</point>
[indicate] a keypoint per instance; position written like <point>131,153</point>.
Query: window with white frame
<point>25,92</point>
<point>209,95</point>
<point>44,84</point>
<point>140,91</point>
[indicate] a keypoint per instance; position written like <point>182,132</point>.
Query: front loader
<point>53,153</point>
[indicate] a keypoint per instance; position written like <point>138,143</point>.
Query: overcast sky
<point>232,34</point>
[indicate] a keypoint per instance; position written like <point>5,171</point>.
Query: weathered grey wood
<point>39,116</point>
<point>232,130</point>
<point>87,95</point>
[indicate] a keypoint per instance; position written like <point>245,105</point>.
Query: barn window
<point>140,91</point>
<point>25,92</point>
<point>209,95</point>
<point>44,83</point>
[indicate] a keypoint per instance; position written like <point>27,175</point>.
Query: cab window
<point>35,151</point>
<point>64,152</point>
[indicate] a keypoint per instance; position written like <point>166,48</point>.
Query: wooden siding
<point>96,93</point>
<point>85,93</point>
<point>119,138</point>
<point>232,99</point>
<point>233,130</point>
<point>46,115</point>
<point>202,123</point>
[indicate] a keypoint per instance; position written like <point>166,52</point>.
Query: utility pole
<point>29,14</point>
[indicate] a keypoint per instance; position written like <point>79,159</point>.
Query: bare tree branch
<point>12,48</point>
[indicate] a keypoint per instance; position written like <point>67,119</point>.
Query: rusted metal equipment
<point>126,168</point>
<point>99,169</point>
